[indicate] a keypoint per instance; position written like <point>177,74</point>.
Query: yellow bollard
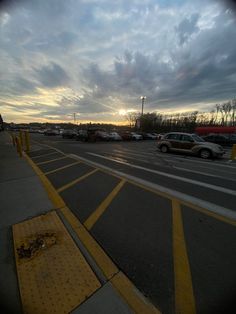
<point>27,141</point>
<point>18,146</point>
<point>21,138</point>
<point>233,152</point>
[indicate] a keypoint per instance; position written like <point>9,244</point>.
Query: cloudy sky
<point>96,58</point>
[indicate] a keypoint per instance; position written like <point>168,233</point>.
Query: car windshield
<point>197,138</point>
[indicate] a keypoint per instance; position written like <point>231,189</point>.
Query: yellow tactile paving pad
<point>53,275</point>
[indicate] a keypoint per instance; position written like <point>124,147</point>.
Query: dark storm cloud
<point>32,107</point>
<point>109,53</point>
<point>87,104</point>
<point>187,27</point>
<point>205,69</point>
<point>52,75</point>
<point>229,4</point>
<point>16,86</point>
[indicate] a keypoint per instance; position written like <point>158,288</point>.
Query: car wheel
<point>164,148</point>
<point>205,153</point>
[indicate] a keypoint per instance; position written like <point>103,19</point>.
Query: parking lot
<point>167,220</point>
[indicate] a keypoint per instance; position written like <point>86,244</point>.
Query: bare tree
<point>233,116</point>
<point>132,117</point>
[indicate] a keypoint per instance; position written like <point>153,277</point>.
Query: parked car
<point>155,134</point>
<point>92,135</point>
<point>82,135</point>
<point>126,136</point>
<point>189,143</point>
<point>150,136</point>
<point>31,130</point>
<point>114,136</point>
<point>220,139</point>
<point>50,132</point>
<point>102,136</point>
<point>147,136</point>
<point>160,136</point>
<point>69,134</point>
<point>136,136</point>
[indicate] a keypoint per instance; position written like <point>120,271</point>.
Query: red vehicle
<point>126,136</point>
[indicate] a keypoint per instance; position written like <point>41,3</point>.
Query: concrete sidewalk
<point>23,197</point>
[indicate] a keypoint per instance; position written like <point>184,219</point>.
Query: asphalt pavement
<point>49,262</point>
<point>167,220</point>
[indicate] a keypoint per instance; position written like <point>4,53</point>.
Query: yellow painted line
<point>103,206</point>
<point>70,184</point>
<point>126,289</point>
<point>165,195</point>
<point>184,296</point>
<point>188,204</point>
<point>53,195</point>
<point>48,161</point>
<point>56,278</point>
<point>102,259</point>
<point>61,168</point>
<point>133,297</point>
<point>44,155</point>
<point>108,268</point>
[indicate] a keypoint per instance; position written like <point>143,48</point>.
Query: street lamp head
<point>143,97</point>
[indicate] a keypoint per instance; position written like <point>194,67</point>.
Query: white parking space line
<point>137,152</point>
<point>212,170</point>
<point>207,174</point>
<point>126,156</point>
<point>173,159</point>
<point>170,162</point>
<point>195,182</point>
<point>209,163</point>
<point>225,212</point>
<point>133,154</point>
<point>168,157</point>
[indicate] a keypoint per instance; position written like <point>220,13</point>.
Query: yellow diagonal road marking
<point>68,185</point>
<point>64,167</point>
<point>48,161</point>
<point>44,155</point>
<point>184,297</point>
<point>102,207</point>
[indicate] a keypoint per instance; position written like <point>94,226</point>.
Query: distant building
<point>205,130</point>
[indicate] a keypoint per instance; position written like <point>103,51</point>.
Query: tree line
<point>221,115</point>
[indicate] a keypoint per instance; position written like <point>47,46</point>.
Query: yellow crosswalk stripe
<point>68,185</point>
<point>61,168</point>
<point>184,296</point>
<point>103,206</point>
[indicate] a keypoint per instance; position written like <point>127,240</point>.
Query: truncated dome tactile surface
<point>53,275</point>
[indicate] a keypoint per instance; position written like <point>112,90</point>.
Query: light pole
<point>143,99</point>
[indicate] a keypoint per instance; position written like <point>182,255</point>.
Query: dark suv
<point>220,139</point>
<point>69,134</point>
<point>92,135</point>
<point>190,144</point>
